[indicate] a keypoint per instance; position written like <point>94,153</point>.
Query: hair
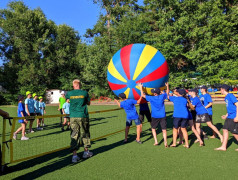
<point>76,81</point>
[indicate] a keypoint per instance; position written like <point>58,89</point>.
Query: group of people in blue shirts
<point>31,106</point>
<point>189,110</point>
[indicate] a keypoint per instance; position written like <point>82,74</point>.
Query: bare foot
<point>196,141</point>
<point>186,146</point>
<point>212,137</point>
<point>166,146</point>
<point>201,143</point>
<point>156,144</point>
<point>173,145</point>
<point>236,150</point>
<point>220,149</point>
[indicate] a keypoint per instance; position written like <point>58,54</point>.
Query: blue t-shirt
<point>144,107</point>
<point>36,106</point>
<point>180,107</point>
<point>42,107</point>
<point>157,105</point>
<point>30,103</point>
<point>200,109</point>
<point>130,109</point>
<point>66,107</point>
<point>230,100</point>
<point>21,108</point>
<point>206,99</point>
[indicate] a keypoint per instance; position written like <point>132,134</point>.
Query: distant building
<point>53,95</point>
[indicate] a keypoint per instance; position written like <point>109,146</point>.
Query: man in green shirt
<point>79,121</point>
<point>62,100</point>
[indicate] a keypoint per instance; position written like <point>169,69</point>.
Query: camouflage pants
<point>80,134</point>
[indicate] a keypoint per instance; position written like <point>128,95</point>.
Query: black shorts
<point>180,122</point>
<point>210,116</point>
<point>231,126</point>
<point>155,122</point>
<point>203,118</point>
<point>31,117</point>
<point>194,114</point>
<point>145,114</point>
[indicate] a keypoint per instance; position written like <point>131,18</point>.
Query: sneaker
<point>31,131</point>
<point>75,159</point>
<point>24,138</point>
<point>67,129</point>
<point>138,142</point>
<point>14,136</point>
<point>87,154</point>
<point>43,125</point>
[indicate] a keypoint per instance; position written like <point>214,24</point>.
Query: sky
<point>79,14</point>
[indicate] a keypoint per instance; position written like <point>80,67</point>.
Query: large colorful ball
<point>137,63</point>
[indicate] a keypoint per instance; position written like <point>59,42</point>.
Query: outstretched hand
<point>140,85</point>
<point>166,84</point>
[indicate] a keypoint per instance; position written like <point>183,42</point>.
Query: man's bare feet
<point>220,149</point>
<point>236,150</point>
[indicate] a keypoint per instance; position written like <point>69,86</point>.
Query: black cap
<point>225,86</point>
<point>194,90</point>
<point>204,87</point>
<point>181,91</point>
<point>20,97</point>
<point>122,95</point>
<point>156,90</point>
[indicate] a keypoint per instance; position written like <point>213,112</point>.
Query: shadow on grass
<point>64,160</point>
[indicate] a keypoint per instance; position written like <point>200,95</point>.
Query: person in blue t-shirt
<point>65,109</point>
<point>21,113</point>
<point>206,100</point>
<point>144,111</point>
<point>30,110</point>
<point>37,111</point>
<point>158,114</point>
<point>42,110</point>
<point>202,114</point>
<point>231,118</point>
<point>131,115</point>
<point>180,116</point>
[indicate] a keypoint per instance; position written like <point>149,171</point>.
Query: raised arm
<point>141,91</point>
<point>118,103</point>
<point>167,89</point>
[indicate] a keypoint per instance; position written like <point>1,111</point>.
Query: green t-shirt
<point>62,101</point>
<point>78,103</point>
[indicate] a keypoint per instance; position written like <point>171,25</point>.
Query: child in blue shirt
<point>158,114</point>
<point>37,111</point>
<point>42,110</point>
<point>231,118</point>
<point>21,113</point>
<point>180,116</point>
<point>144,111</point>
<point>206,100</point>
<point>65,109</point>
<point>131,115</point>
<point>30,110</point>
<point>202,114</point>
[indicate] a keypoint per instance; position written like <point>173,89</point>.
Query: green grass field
<point>114,160</point>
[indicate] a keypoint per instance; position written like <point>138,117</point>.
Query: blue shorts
<point>21,120</point>
<point>129,122</point>
<point>180,122</point>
